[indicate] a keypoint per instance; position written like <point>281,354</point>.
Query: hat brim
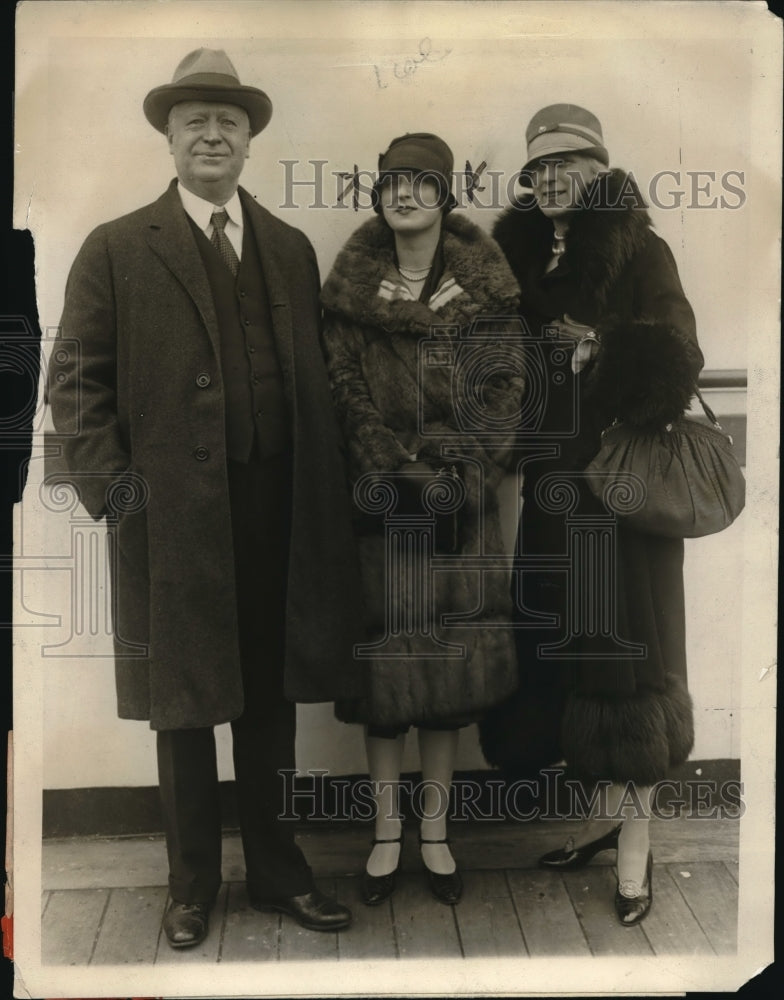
<point>553,143</point>
<point>159,102</point>
<point>449,201</point>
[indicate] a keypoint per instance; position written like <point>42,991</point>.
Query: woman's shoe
<point>631,909</point>
<point>567,859</point>
<point>446,888</point>
<point>377,888</point>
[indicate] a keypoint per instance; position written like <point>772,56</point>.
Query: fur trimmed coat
<point>614,706</point>
<point>377,340</point>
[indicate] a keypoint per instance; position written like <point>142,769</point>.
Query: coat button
<point>203,380</point>
<point>201,454</point>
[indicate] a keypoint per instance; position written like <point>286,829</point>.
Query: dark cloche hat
<point>422,153</point>
<point>207,75</point>
<point>564,128</point>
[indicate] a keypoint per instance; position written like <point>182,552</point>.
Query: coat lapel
<point>169,235</point>
<point>277,291</point>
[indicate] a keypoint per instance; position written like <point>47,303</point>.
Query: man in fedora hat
<point>198,383</point>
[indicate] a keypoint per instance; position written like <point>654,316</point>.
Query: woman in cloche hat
<point>613,702</point>
<point>416,266</point>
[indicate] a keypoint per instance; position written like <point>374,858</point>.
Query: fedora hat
<point>564,128</point>
<point>207,75</point>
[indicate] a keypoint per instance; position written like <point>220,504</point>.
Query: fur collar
<point>603,236</point>
<point>471,258</point>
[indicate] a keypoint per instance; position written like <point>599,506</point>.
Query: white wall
<point>669,99</point>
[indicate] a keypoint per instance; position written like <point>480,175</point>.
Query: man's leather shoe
<point>186,924</point>
<point>313,910</point>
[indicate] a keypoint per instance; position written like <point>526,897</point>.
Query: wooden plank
<point>334,850</point>
<point>670,926</point>
<point>336,854</point>
<point>424,927</point>
<point>130,927</point>
<point>712,896</point>
<point>486,917</point>
<point>208,950</point>
<point>371,934</point>
<point>105,863</point>
<point>592,891</point>
<point>248,936</point>
<point>547,918</point>
<point>297,943</point>
<point>70,926</point>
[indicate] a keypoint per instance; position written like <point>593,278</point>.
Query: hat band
<point>553,143</point>
<point>207,80</point>
<point>594,138</point>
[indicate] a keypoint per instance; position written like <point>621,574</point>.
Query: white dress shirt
<point>201,213</point>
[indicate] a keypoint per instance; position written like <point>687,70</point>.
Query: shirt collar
<point>201,211</point>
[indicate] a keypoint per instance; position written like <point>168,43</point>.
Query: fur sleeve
<point>647,366</point>
<point>372,446</point>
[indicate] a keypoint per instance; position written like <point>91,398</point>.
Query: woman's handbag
<point>681,482</point>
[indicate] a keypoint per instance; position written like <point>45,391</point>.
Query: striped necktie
<point>221,241</point>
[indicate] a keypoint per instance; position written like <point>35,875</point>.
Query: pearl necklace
<point>559,244</point>
<point>413,274</point>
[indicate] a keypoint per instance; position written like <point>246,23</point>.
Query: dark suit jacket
<point>127,390</point>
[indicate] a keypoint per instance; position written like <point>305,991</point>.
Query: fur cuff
<point>643,373</point>
<point>629,739</point>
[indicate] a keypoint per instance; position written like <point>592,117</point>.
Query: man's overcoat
<point>135,387</point>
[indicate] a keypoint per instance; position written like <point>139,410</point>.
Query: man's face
<point>210,143</point>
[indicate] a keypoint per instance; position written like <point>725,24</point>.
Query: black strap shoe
<point>186,924</point>
<point>567,858</point>
<point>377,888</point>
<point>313,910</point>
<point>447,889</point>
<point>631,909</point>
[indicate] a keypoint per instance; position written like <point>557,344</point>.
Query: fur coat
<point>613,706</point>
<point>396,398</point>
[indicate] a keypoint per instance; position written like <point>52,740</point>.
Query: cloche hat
<point>422,153</point>
<point>564,128</point>
<point>207,75</point>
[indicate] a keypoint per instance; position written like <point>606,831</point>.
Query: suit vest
<point>252,380</point>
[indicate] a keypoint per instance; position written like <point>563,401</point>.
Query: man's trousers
<point>263,736</point>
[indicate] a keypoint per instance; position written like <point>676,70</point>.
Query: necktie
<point>221,241</point>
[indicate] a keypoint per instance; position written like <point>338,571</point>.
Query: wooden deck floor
<point>103,901</point>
